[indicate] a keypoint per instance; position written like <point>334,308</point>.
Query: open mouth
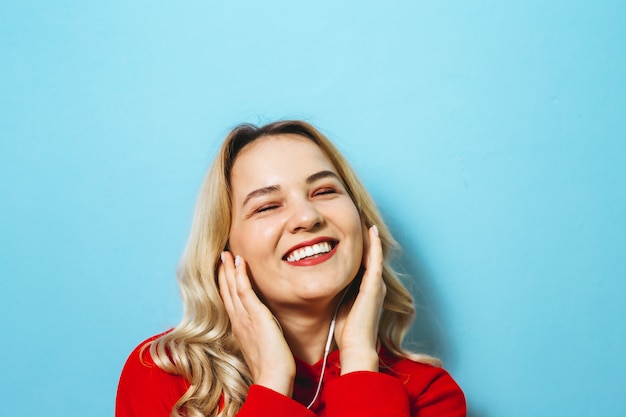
<point>310,252</point>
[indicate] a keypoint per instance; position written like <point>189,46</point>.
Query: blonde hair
<point>202,348</point>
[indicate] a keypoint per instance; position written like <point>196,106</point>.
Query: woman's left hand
<point>356,331</point>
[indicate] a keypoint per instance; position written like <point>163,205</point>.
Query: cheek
<point>239,242</point>
<point>234,241</point>
<point>359,232</point>
<point>364,238</point>
<point>253,242</point>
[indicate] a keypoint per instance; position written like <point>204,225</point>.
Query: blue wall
<point>491,133</point>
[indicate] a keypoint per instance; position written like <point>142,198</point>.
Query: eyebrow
<point>261,191</point>
<point>274,188</point>
<point>320,175</point>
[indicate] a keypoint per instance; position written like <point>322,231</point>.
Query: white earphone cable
<point>329,340</point>
<point>326,351</point>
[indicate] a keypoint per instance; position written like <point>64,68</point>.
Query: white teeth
<point>309,251</point>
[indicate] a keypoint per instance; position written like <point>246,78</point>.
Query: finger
<point>374,265</point>
<point>226,270</point>
<point>232,289</point>
<point>250,301</point>
<point>233,280</point>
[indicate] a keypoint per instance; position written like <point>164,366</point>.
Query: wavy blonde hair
<point>202,349</point>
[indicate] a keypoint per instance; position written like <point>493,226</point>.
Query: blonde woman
<point>290,305</point>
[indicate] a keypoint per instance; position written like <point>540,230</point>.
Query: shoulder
<point>140,365</point>
<point>431,389</point>
<point>140,355</point>
<point>143,385</point>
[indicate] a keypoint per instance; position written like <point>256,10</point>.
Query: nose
<point>304,216</point>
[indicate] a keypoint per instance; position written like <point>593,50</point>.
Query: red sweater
<point>402,388</point>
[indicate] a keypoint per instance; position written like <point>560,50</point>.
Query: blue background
<point>491,133</point>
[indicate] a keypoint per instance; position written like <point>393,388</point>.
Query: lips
<point>310,249</point>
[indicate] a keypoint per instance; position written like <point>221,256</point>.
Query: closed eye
<point>265,208</point>
<point>325,191</point>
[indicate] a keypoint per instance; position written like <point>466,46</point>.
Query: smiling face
<point>293,222</point>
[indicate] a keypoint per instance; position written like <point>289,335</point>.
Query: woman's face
<point>293,222</point>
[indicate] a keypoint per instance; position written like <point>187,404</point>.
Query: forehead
<point>276,157</point>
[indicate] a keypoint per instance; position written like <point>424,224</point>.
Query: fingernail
<point>237,261</point>
<point>375,230</point>
<point>223,256</point>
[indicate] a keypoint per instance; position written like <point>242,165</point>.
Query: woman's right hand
<point>261,340</point>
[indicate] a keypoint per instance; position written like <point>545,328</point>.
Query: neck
<point>306,334</point>
<point>306,328</point>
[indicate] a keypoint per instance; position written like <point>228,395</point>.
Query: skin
<point>281,200</point>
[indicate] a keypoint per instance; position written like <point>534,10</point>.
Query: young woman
<point>291,306</point>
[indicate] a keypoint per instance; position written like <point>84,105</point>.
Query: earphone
<point>329,341</point>
<point>326,352</point>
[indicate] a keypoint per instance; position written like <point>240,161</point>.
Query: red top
<point>402,388</point>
